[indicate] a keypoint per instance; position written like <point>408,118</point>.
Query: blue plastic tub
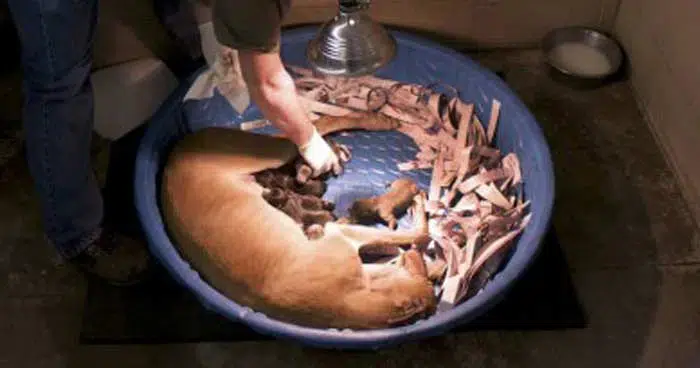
<point>419,61</point>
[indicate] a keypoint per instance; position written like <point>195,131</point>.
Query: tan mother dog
<point>259,257</point>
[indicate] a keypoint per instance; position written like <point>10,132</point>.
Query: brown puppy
<point>306,210</point>
<point>272,179</point>
<point>259,257</point>
<point>385,207</point>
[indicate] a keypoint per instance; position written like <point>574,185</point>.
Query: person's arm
<point>273,90</point>
<point>252,27</point>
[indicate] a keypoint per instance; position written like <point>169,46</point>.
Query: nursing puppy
<point>259,257</point>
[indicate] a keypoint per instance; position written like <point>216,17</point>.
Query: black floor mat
<point>160,311</point>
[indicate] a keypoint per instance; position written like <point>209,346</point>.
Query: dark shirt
<point>249,24</point>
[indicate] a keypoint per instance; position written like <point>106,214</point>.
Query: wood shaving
<point>493,195</point>
<point>475,204</point>
<point>255,124</point>
<point>493,122</point>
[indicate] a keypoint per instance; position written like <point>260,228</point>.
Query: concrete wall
<point>459,23</point>
<point>661,40</point>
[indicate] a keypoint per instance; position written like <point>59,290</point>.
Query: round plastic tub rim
<point>540,187</point>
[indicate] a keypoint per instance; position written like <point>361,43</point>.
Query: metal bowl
<point>595,43</point>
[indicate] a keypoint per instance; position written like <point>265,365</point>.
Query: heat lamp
<point>350,44</point>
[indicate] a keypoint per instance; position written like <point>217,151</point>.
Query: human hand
<point>304,170</point>
<point>319,156</point>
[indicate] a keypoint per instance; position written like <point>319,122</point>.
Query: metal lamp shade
<point>351,44</point>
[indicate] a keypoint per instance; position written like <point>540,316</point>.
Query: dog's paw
<point>343,154</point>
<point>373,120</point>
<point>304,172</point>
<point>314,231</point>
<point>340,150</point>
<point>389,219</point>
<point>436,270</point>
<point>413,262</point>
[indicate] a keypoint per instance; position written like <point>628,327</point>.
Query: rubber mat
<point>161,311</point>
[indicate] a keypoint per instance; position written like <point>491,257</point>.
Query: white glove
<point>319,155</point>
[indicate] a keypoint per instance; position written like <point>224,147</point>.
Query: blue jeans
<point>57,43</point>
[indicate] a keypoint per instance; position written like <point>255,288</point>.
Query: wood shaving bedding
<point>475,205</point>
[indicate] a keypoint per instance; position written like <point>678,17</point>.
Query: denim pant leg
<point>178,19</point>
<point>56,38</point>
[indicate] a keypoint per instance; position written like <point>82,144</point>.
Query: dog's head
<point>411,289</point>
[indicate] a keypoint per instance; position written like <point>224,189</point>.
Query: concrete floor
<point>627,234</point>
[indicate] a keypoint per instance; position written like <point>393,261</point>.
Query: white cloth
<point>128,94</point>
<point>224,73</point>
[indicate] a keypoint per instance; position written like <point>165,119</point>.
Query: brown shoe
<point>115,258</point>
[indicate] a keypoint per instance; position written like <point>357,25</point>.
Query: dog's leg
<point>316,217</point>
<point>363,236</point>
<point>385,207</point>
<point>360,235</point>
<point>357,121</point>
<point>311,202</point>
<point>399,293</point>
<point>411,260</point>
